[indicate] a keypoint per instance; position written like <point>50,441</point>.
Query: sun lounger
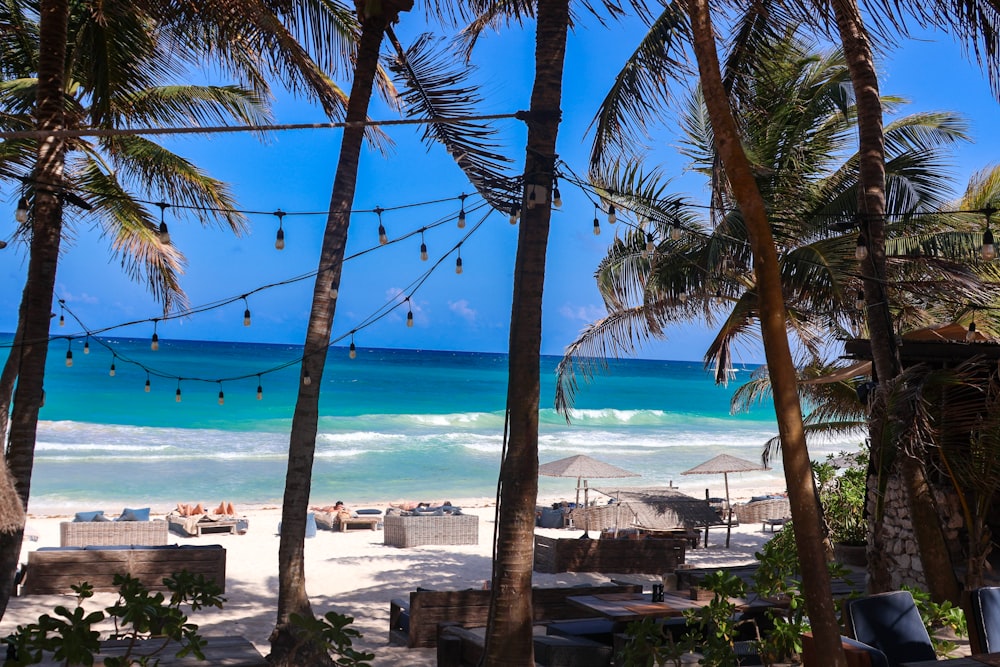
<point>203,524</point>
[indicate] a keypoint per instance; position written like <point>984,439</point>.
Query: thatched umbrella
<point>583,468</point>
<point>725,464</point>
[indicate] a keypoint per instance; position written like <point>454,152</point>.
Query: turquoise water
<point>395,424</point>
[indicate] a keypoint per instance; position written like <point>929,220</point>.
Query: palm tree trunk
<point>795,456</point>
<point>938,570</point>
<point>509,630</point>
<point>46,234</point>
<point>288,647</point>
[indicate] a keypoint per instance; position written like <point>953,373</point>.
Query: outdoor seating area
<point>416,529</point>
<point>626,555</point>
<point>195,520</point>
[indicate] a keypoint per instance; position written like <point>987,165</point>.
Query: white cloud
<point>461,308</point>
<point>83,297</point>
<point>586,313</point>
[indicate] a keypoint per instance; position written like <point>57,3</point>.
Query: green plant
<point>651,644</point>
<point>717,621</point>
<point>69,637</point>
<point>938,617</point>
<point>843,497</point>
<point>331,632</point>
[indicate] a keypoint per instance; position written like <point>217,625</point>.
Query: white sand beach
<point>355,573</point>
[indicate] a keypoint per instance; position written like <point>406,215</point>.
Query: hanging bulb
<point>612,218</point>
<point>531,196</point>
<point>62,320</point>
<point>860,302</point>
<point>246,313</point>
<point>222,396</point>
<point>279,239</point>
<point>146,388</point>
<point>69,358</point>
<point>513,214</point>
<point>111,372</point>
<point>334,293</point>
<point>461,218</point>
<point>650,246</point>
<point>675,233</point>
<point>177,395</point>
<point>682,296</point>
<point>260,389</point>
<point>155,344</point>
<point>861,252</point>
<point>21,214</point>
<point>164,233</point>
<point>423,252</point>
<point>597,227</point>
<point>409,318</point>
<point>971,335</point>
<point>382,238</point>
<point>556,197</point>
<point>306,380</point>
<point>86,345</point>
<point>458,266</point>
<point>989,249</point>
<point>352,352</point>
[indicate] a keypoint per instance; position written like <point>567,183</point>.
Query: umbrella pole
<point>729,510</point>
<point>586,512</point>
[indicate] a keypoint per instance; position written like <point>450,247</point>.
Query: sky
<point>293,171</point>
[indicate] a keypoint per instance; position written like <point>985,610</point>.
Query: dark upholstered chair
<point>984,626</point>
<point>891,623</point>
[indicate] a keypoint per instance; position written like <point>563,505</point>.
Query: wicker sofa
<point>413,531</point>
<point>112,533</point>
<point>761,511</point>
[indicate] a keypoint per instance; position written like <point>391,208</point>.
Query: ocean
<point>394,425</point>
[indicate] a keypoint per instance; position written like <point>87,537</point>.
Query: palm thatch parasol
<point>583,468</point>
<point>724,464</point>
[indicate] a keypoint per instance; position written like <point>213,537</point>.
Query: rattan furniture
<point>758,511</point>
<point>414,531</point>
<point>112,533</point>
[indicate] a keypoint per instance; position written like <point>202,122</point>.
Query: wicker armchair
<point>758,511</point>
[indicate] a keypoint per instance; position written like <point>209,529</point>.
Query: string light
<point>146,388</point>
<point>859,303</point>
<point>675,232</point>
<point>86,345</point>
<point>222,396</point>
<point>612,218</point>
<point>154,345</point>
<point>177,394</point>
<point>352,352</point>
<point>556,197</point>
<point>597,223</point>
<point>458,262</point>
<point>111,371</point>
<point>306,380</point>
<point>531,198</point>
<point>62,316</point>
<point>279,239</point>
<point>21,214</point>
<point>514,213</point>
<point>260,388</point>
<point>164,234</point>
<point>382,238</point>
<point>246,313</point>
<point>650,246</point>
<point>989,250</point>
<point>423,247</point>
<point>409,313</point>
<point>970,336</point>
<point>461,211</point>
<point>861,251</point>
<point>69,353</point>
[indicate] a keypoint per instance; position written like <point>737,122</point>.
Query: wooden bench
<point>414,623</point>
<point>360,522</point>
<point>56,569</point>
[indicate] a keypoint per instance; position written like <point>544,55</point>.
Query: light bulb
<point>246,317</point>
<point>513,214</point>
<point>21,214</point>
<point>177,395</point>
<point>461,219</point>
<point>382,238</point>
<point>597,227</point>
<point>860,302</point>
<point>86,347</point>
<point>69,358</point>
<point>971,335</point>
<point>279,239</point>
<point>155,344</point>
<point>556,197</point>
<point>164,234</point>
<point>612,218</point>
<point>531,196</point>
<point>989,249</point>
<point>260,392</point>
<point>62,320</point>
<point>353,351</point>
<point>682,297</point>
<point>334,293</point>
<point>861,252</point>
<point>146,388</point>
<point>458,265</point>
<point>650,246</point>
<point>675,233</point>
<point>111,372</point>
<point>306,380</point>
<point>423,252</point>
<point>409,318</point>
<point>222,398</point>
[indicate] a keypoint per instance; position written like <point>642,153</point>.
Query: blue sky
<point>293,171</point>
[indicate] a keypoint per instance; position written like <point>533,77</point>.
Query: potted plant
<point>842,487</point>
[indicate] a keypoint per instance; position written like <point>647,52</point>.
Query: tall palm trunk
<point>288,648</point>
<point>46,233</point>
<point>508,635</point>
<point>795,456</point>
<point>938,570</point>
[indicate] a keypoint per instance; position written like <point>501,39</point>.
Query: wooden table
<point>978,660</point>
<point>623,608</point>
<point>219,652</point>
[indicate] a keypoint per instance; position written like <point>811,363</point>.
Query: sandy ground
<point>353,573</point>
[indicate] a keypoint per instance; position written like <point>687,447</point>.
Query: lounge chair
<point>984,626</point>
<point>891,623</point>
